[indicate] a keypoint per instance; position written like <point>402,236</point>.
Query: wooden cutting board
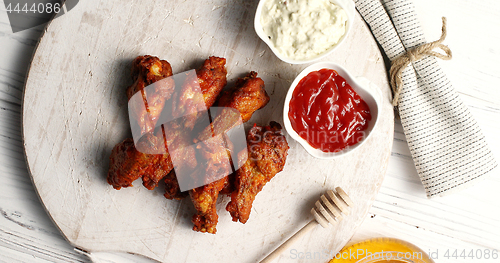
<point>75,111</point>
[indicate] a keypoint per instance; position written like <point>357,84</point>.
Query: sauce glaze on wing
<point>268,149</point>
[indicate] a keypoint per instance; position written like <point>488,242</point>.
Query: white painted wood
<point>28,235</point>
<point>74,112</point>
<point>468,220</point>
<point>285,247</point>
<point>326,213</point>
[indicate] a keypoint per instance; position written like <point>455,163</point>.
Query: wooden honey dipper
<point>324,212</point>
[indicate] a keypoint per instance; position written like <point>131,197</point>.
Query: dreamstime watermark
<point>25,14</point>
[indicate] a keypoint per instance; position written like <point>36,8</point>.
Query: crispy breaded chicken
<point>267,148</point>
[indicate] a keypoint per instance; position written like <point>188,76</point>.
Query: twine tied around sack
<point>417,53</point>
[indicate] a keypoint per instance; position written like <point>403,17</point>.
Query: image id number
<point>472,254</point>
<point>40,8</point>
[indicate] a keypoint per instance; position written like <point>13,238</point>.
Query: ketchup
<point>327,113</point>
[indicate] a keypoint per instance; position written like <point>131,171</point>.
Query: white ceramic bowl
<point>347,5</point>
<point>367,91</point>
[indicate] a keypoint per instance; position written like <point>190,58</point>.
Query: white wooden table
<point>463,222</point>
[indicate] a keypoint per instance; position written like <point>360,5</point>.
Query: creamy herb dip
<point>303,29</point>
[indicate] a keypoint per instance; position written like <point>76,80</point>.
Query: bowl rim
<point>347,5</point>
<point>355,85</point>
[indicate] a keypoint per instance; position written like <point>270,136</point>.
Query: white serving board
<point>75,111</point>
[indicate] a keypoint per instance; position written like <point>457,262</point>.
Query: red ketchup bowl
<point>328,112</point>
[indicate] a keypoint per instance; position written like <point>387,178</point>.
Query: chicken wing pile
<point>263,156</point>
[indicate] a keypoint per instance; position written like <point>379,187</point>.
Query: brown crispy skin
<point>172,189</point>
<point>128,164</point>
<point>247,96</point>
<point>147,70</point>
<point>268,148</point>
<point>229,186</point>
<point>204,199</point>
<point>157,171</point>
<point>211,78</point>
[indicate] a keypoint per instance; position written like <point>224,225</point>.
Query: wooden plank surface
<point>28,235</point>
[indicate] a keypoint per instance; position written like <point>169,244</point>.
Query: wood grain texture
<point>468,220</point>
<point>74,112</point>
<point>28,235</point>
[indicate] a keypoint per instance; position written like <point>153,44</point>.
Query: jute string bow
<point>401,62</point>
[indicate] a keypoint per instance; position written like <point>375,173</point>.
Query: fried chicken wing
<point>148,70</point>
<point>180,155</point>
<point>214,162</point>
<point>229,186</point>
<point>267,147</point>
<point>128,164</point>
<point>204,199</point>
<point>236,106</point>
<point>210,167</point>
<point>211,78</point>
<point>247,96</point>
<point>214,168</point>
